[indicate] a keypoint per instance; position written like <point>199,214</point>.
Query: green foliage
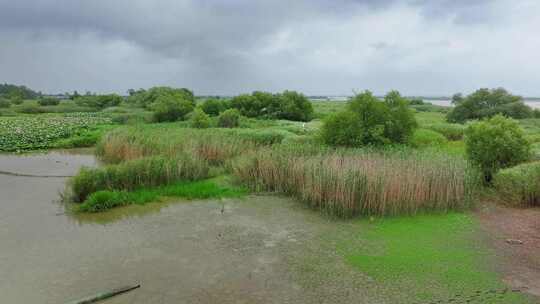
<point>416,101</point>
<point>199,119</point>
<point>450,131</point>
<point>99,101</point>
<point>134,174</point>
<point>16,100</point>
<point>213,106</point>
<point>488,103</point>
<point>41,132</point>
<point>342,129</point>
<point>402,122</point>
<point>496,143</point>
<point>423,138</point>
<point>146,99</point>
<point>29,108</point>
<point>371,122</point>
<point>10,90</point>
<point>288,105</point>
<point>4,103</point>
<point>48,101</point>
<point>536,113</point>
<point>171,108</point>
<point>105,200</point>
<point>519,185</point>
<point>291,105</point>
<point>229,119</point>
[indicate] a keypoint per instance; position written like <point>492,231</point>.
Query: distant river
<point>447,103</point>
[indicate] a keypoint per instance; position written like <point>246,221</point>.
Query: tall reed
<point>347,183</point>
<point>519,185</point>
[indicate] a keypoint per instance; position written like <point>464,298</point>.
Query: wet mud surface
<point>260,249</point>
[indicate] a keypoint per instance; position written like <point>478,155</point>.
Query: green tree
<point>402,123</point>
<point>496,143</point>
<point>171,108</point>
<point>213,106</point>
<point>487,103</point>
<point>342,129</point>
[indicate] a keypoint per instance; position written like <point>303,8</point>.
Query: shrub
<point>487,103</point>
<point>536,113</point>
<point>229,119</point>
<point>292,105</point>
<point>248,105</point>
<point>519,185</point>
<point>289,105</point>
<point>450,131</point>
<point>342,129</point>
<point>170,108</point>
<point>199,119</point>
<point>4,103</point>
<point>213,106</point>
<point>147,98</point>
<point>48,101</point>
<point>29,108</point>
<point>99,101</point>
<point>423,138</point>
<point>371,122</point>
<point>402,123</point>
<point>416,101</point>
<point>496,143</point>
<point>16,100</point>
<point>130,175</point>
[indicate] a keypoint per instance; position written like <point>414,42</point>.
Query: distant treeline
<point>14,91</point>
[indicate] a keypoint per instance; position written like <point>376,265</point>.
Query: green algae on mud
<point>429,258</point>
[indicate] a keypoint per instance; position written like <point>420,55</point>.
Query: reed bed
<point>134,174</point>
<point>519,185</point>
<point>347,183</point>
<point>214,145</point>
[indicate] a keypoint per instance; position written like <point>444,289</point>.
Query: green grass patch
<point>428,258</point>
<point>206,189</point>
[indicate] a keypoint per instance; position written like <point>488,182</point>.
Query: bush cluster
<point>4,103</point>
<point>229,119</point>
<point>199,119</point>
<point>487,103</point>
<point>370,121</point>
<point>48,101</point>
<point>214,106</point>
<point>496,143</point>
<point>289,105</point>
<point>99,101</point>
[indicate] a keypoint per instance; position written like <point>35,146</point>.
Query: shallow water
<point>183,252</point>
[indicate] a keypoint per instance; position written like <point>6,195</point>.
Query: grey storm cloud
<point>233,46</point>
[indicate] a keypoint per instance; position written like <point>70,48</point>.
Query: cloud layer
<point>228,47</point>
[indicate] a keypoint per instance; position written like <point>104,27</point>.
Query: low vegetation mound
<point>495,144</point>
<point>369,121</point>
<point>144,172</point>
<point>520,185</point>
<point>104,200</point>
<point>488,103</point>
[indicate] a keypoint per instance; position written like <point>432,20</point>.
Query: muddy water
<point>257,250</point>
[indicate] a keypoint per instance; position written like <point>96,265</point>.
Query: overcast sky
<point>429,47</point>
